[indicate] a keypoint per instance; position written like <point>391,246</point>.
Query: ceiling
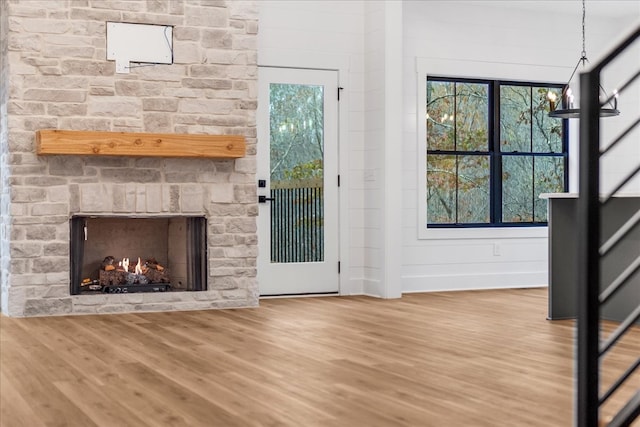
<point>605,8</point>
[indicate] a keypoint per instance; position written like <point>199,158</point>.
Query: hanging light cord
<point>584,45</point>
<point>583,60</point>
<point>583,57</point>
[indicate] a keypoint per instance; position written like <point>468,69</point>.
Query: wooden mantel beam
<point>92,143</point>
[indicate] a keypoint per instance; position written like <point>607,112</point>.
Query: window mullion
<point>496,156</point>
<point>533,160</point>
<point>455,146</point>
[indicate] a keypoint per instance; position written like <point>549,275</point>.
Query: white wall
<point>484,39</point>
<point>383,153</point>
<point>379,238</point>
<point>330,35</point>
<point>374,139</point>
<point>625,156</point>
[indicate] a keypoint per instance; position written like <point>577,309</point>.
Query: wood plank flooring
<point>481,358</point>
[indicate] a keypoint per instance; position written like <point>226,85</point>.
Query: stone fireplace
<point>55,75</point>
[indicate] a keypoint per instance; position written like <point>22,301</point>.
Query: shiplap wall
<point>349,36</point>
<point>330,35</point>
<point>383,153</point>
<point>492,35</point>
<point>373,149</point>
<point>624,158</point>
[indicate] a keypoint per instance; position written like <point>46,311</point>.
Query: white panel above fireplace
<point>144,43</point>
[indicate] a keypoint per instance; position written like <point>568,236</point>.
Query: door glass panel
<point>296,169</point>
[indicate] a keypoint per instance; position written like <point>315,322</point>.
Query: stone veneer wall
<point>55,76</point>
<point>4,149</point>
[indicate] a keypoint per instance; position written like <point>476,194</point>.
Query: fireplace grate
<point>129,289</point>
<point>171,253</point>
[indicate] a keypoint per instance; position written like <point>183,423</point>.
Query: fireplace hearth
<point>137,254</point>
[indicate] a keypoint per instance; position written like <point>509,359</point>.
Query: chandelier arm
<point>619,91</point>
<point>609,98</point>
<point>564,91</point>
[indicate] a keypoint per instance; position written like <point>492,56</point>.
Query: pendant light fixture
<point>565,109</point>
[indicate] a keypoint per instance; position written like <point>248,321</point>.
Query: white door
<point>297,181</point>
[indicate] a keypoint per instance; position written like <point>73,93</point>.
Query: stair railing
<point>592,293</point>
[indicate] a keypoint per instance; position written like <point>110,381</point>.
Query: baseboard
<point>372,288</point>
<point>462,282</point>
<point>351,286</point>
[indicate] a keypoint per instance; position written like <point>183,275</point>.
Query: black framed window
<point>492,150</point>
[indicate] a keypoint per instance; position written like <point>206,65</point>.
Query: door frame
<point>345,286</point>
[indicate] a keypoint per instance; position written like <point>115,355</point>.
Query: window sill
<point>484,233</point>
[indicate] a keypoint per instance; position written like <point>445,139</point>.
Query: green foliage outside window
<point>297,131</point>
<point>492,150</point>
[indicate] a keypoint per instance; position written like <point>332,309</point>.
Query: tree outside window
<point>492,150</point>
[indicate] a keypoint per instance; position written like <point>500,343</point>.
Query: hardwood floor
<point>482,358</point>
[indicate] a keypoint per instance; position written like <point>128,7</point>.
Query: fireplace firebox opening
<point>137,254</point>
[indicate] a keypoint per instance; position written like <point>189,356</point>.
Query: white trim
<point>480,70</point>
<point>343,192</point>
<point>392,186</point>
<point>541,232</point>
<point>373,288</point>
<point>474,281</point>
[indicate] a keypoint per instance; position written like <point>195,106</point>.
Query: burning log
<point>107,264</point>
<point>152,263</point>
<point>158,276</point>
<point>125,274</point>
<point>112,277</point>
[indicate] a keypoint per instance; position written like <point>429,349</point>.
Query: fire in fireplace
<point>145,275</point>
<point>132,254</point>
